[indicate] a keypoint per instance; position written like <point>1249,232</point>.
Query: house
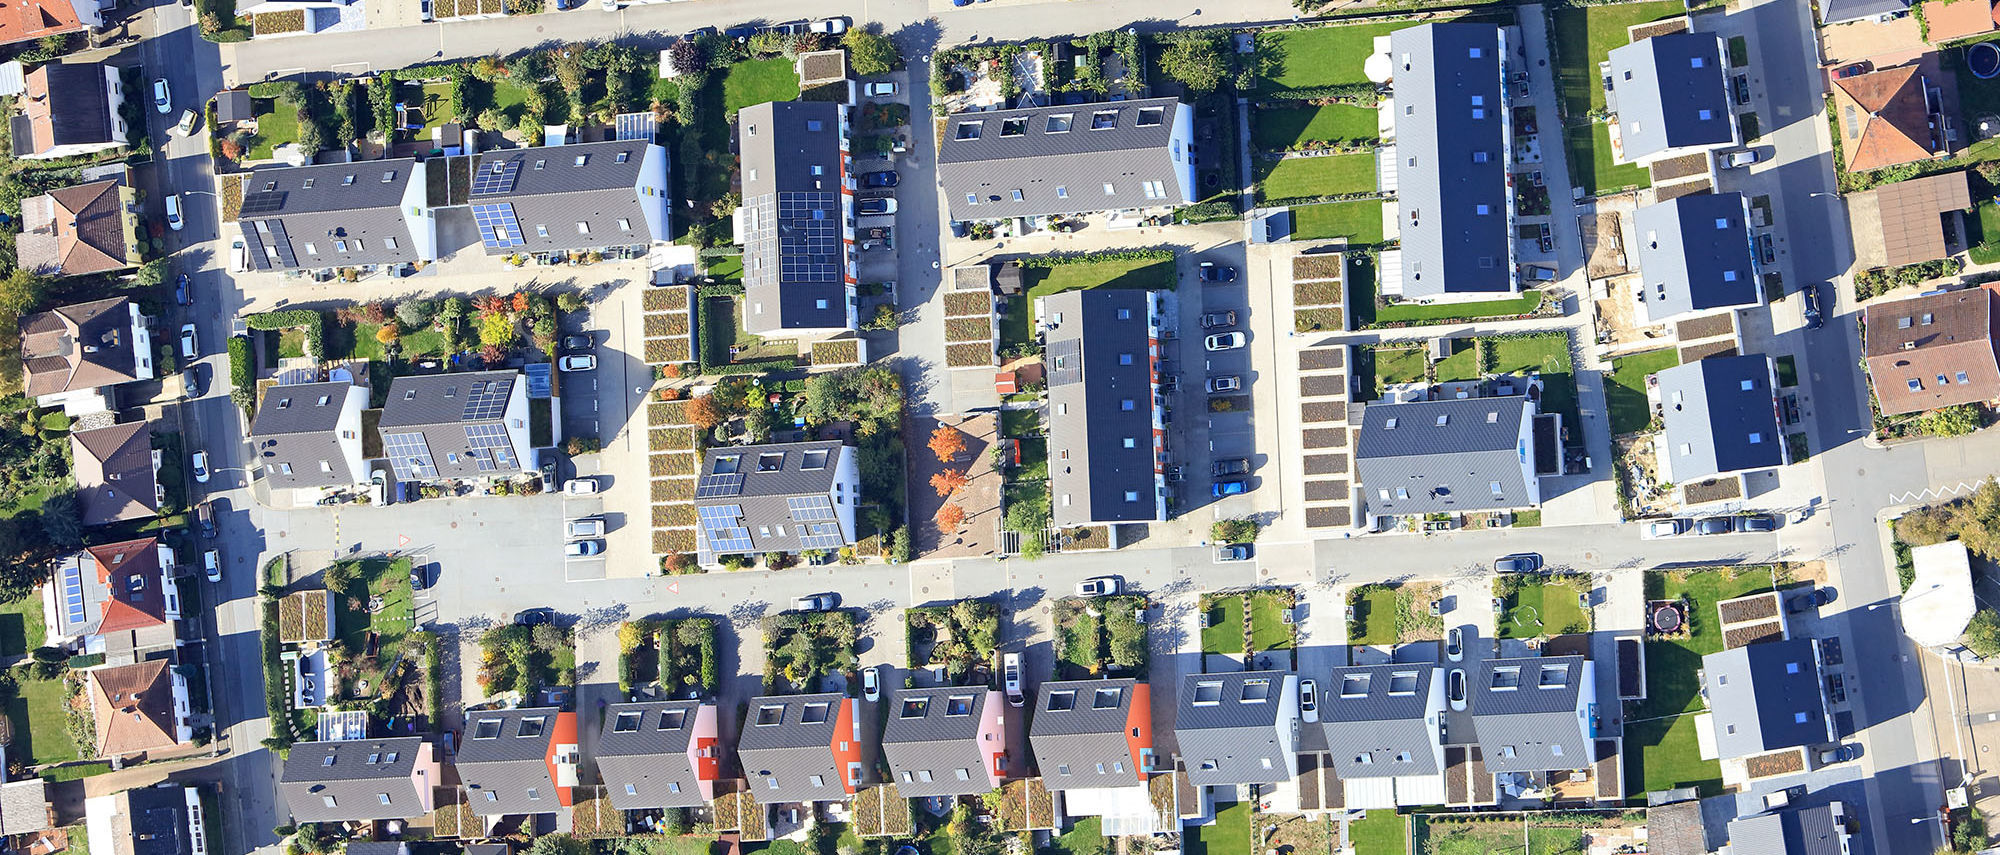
<point>1535,714</point>
<point>1448,456</point>
<point>945,741</point>
<point>1765,696</point>
<point>1889,117</point>
<point>360,780</point>
<point>519,761</point>
<point>1092,734</point>
<point>1911,222</point>
<point>1384,733</point>
<point>1238,728</point>
<point>138,708</point>
<point>1721,418</point>
<point>36,19</point>
<point>83,228</point>
<point>659,754</point>
<point>470,425</point>
<point>25,807</point>
<point>1454,205</point>
<point>116,599</point>
<point>781,497</point>
<point>1107,427</point>
<point>1845,11</point>
<point>117,473</point>
<point>804,748</point>
<point>67,109</point>
<point>796,225</point>
<point>360,214</point>
<point>1670,96</point>
<point>1819,830</point>
<point>1068,159</point>
<point>163,819</point>
<point>70,352</point>
<point>1931,351</point>
<point>308,435</point>
<point>599,196</point>
<point>1695,256</point>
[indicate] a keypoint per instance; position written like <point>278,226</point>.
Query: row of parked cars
<point>1733,524</point>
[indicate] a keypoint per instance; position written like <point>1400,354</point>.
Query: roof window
<point>1256,691</point>
<point>1103,119</point>
<point>958,705</point>
<point>770,715</point>
<point>1354,685</point>
<point>1105,699</point>
<point>771,462</point>
<point>627,722</point>
<point>1062,701</point>
<point>1208,693</point>
<point>672,719</point>
<point>531,726</point>
<point>1058,124</point>
<point>486,728</point>
<point>581,159</point>
<point>1403,683</point>
<point>1014,127</point>
<point>814,713</point>
<point>1151,116</point>
<point>970,130</point>
<point>916,707</point>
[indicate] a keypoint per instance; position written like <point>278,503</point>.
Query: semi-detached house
<point>1068,159</point>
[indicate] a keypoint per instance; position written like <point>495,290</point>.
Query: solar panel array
<point>490,446</point>
<point>642,127</point>
<point>719,522</point>
<point>498,228</point>
<point>496,177</point>
<point>254,244</point>
<point>810,508</point>
<point>410,455</point>
<point>824,535</point>
<point>809,235</point>
<point>487,401</point>
<point>262,202</point>
<point>72,593</point>
<point>723,484</point>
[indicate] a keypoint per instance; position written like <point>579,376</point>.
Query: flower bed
<point>969,354</point>
<point>673,516</point>
<point>1780,763</point>
<point>1748,635</point>
<point>672,464</point>
<point>868,813</point>
<point>959,304</point>
<point>291,618</point>
<point>1758,608</point>
<point>1316,293</point>
<point>666,325</point>
<point>664,299</point>
<point>838,352</point>
<point>274,23</point>
<point>671,542</point>
<point>979,329</point>
<point>668,414</point>
<point>673,490</point>
<point>1309,320</point>
<point>895,812</point>
<point>670,439</point>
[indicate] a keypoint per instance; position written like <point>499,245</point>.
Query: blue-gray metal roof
<point>1061,159</point>
<point>329,215</point>
<point>1525,713</point>
<point>360,779</point>
<point>1098,350</point>
<point>1764,697</point>
<point>571,197</point>
<point>1842,11</point>
<point>1721,416</point>
<point>1237,728</point>
<point>1383,713</point>
<point>503,761</point>
<point>642,754</point>
<point>296,432</point>
<point>1671,94</point>
<point>932,735</point>
<point>1452,151</point>
<point>1078,734</point>
<point>778,497</point>
<point>1694,255</point>
<point>1450,455</point>
<point>787,744</point>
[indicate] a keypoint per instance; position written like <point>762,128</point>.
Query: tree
<point>759,422</point>
<point>688,57</point>
<point>949,481</point>
<point>311,139</point>
<point>414,314</point>
<point>569,301</point>
<point>22,291</point>
<point>1195,62</point>
<point>151,273</point>
<point>703,413</point>
<point>62,520</point>
<point>496,330</point>
<point>1958,420</point>
<point>676,564</point>
<point>1982,633</point>
<point>871,53</point>
<point>558,844</point>
<point>950,517</point>
<point>387,332</point>
<point>947,443</point>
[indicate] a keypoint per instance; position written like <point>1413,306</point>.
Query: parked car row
<point>1729,524</point>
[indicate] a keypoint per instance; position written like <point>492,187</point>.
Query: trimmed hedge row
<point>312,322</point>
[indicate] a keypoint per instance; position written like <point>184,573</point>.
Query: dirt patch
<point>1748,635</point>
<point>1704,351</point>
<point>1321,359</point>
<point>1332,516</point>
<point>1326,464</point>
<point>1781,763</point>
<point>1754,608</point>
<point>980,497</point>
<point>1420,624</point>
<point>1694,329</point>
<point>1714,490</point>
<point>1680,167</point>
<point>1604,246</point>
<point>1668,192</point>
<point>1322,411</point>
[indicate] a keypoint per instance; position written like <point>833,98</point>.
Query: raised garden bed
<point>1757,608</point>
<point>964,303</point>
<point>1748,635</point>
<point>968,354</point>
<point>1779,763</point>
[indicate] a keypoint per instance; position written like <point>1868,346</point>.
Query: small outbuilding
<point>1939,601</point>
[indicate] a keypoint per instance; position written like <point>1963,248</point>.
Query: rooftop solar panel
<point>410,455</point>
<point>498,228</point>
<point>810,508</point>
<point>496,177</point>
<point>261,202</point>
<point>490,446</point>
<point>488,400</point>
<point>821,536</point>
<point>715,485</point>
<point>72,585</point>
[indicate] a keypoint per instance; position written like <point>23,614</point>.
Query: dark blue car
<point>182,294</point>
<point>879,179</point>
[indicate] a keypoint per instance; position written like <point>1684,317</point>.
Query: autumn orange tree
<point>948,481</point>
<point>947,443</point>
<point>949,517</point>
<point>703,413</point>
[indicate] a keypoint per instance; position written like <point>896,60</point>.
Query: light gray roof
<point>642,755</point>
<point>1721,416</point>
<point>934,734</point>
<point>1801,831</point>
<point>552,192</point>
<point>1445,456</point>
<point>985,158</point>
<point>438,414</point>
<point>1694,255</point>
<point>348,780</point>
<point>1078,733</point>
<point>795,259</point>
<point>1671,94</point>
<point>1765,697</point>
<point>356,205</point>
<point>771,498</point>
<point>296,429</point>
<point>503,770</point>
<point>1452,151</point>
<point>1532,726</point>
<point>1383,713</point>
<point>1237,728</point>
<point>24,807</point>
<point>787,741</point>
<point>1102,399</point>
<point>1841,11</point>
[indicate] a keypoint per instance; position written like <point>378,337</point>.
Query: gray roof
<point>1840,11</point>
<point>114,473</point>
<point>1237,728</point>
<point>934,734</point>
<point>1532,727</point>
<point>789,740</point>
<point>376,847</point>
<point>642,755</point>
<point>1804,831</point>
<point>1671,94</point>
<point>1721,416</point>
<point>233,105</point>
<point>347,780</point>
<point>551,192</point>
<point>795,258</point>
<point>763,498</point>
<point>1765,697</point>
<point>1694,255</point>
<point>1445,456</point>
<point>356,205</point>
<point>434,416</point>
<point>24,807</point>
<point>1382,712</point>
<point>296,428</point>
<point>79,107</point>
<point>500,771</point>
<point>1449,113</point>
<point>986,158</point>
<point>1078,733</point>
<point>158,819</point>
<point>1102,393</point>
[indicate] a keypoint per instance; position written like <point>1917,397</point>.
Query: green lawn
<point>1666,754</point>
<point>757,81</point>
<point>390,623</point>
<point>1020,423</point>
<point>1225,626</point>
<point>1315,177</point>
<point>1625,388</point>
<point>1379,832</point>
<point>1374,615</point>
<point>1145,274</point>
<point>1320,56</point>
<point>276,125</point>
<point>22,627</point>
<point>1591,144</point>
<point>436,107</point>
<point>1462,364</point>
<point>1549,355</point>
<point>1400,365</point>
<point>1281,128</point>
<point>1034,460</point>
<point>1586,35</point>
<point>1359,222</point>
<point>1085,837</point>
<point>1987,248</point>
<point>1541,609</point>
<point>1418,312</point>
<point>41,730</point>
<point>1787,368</point>
<point>1268,630</point>
<point>509,97</point>
<point>1228,835</point>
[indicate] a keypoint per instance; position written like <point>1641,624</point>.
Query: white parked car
<point>200,463</point>
<point>882,89</point>
<point>1738,159</point>
<point>186,125</point>
<point>1666,528</point>
<point>577,362</point>
<point>1225,341</point>
<point>1309,701</point>
<point>174,220</point>
<point>189,347</point>
<point>581,486</point>
<point>1100,586</point>
<point>831,26</point>
<point>211,561</point>
<point>163,100</point>
<point>586,527</point>
<point>871,683</point>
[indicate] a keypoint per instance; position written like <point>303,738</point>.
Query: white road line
<point>1935,493</point>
